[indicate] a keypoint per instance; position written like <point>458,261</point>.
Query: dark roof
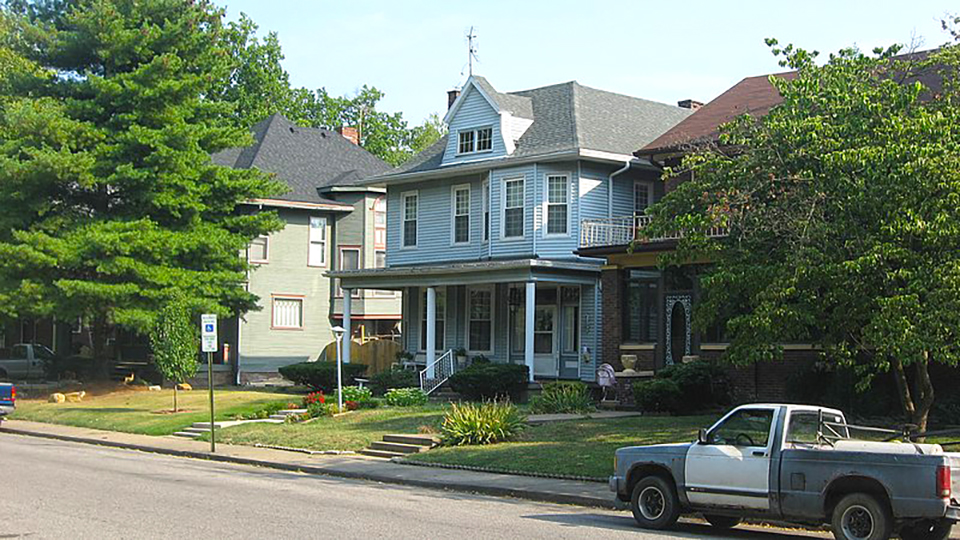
<point>304,158</point>
<point>753,95</point>
<point>568,117</point>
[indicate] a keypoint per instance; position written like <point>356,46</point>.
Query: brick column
<point>612,317</point>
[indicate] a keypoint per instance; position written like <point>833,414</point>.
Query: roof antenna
<point>471,50</point>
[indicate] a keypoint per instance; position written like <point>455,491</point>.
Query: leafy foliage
<point>658,395</point>
<point>562,397</point>
<point>322,375</point>
<point>174,340</point>
<point>393,378</point>
<point>490,381</point>
<point>481,423</point>
<point>406,397</point>
<point>704,385</point>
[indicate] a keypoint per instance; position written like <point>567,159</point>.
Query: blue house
<point>483,226</point>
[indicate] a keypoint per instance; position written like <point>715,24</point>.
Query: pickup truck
<point>8,399</point>
<point>24,361</point>
<point>797,464</point>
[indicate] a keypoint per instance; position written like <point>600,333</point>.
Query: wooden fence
<point>377,354</point>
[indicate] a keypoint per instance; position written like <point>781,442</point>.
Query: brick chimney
<point>349,133</point>
<point>691,104</point>
<point>452,96</point>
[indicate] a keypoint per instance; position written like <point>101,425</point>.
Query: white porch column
<point>431,329</point>
<point>529,312</point>
<point>347,332</point>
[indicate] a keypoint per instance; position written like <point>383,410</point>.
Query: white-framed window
<point>411,209</point>
<point>480,319</point>
<point>558,204</point>
<point>259,250</point>
<point>485,187</point>
<point>641,198</point>
<point>380,222</point>
<point>472,141</point>
<point>380,261</point>
<point>441,319</point>
<point>460,206</point>
<point>317,254</point>
<point>287,312</point>
<point>349,260</point>
<point>570,302</point>
<point>512,216</point>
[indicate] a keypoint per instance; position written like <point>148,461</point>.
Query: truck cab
<point>24,361</point>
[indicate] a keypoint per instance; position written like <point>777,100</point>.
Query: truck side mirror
<point>702,436</point>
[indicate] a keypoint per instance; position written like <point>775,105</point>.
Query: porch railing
<point>624,230</point>
<point>442,368</point>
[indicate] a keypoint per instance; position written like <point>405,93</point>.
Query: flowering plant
<point>314,397</point>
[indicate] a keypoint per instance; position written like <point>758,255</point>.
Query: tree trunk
<point>175,405</point>
<point>101,363</point>
<point>918,401</point>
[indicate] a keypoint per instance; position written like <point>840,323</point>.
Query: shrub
<point>703,385</point>
<point>562,397</point>
<point>355,393</point>
<point>484,380</point>
<point>658,395</point>
<point>406,397</point>
<point>314,397</point>
<point>393,378</point>
<point>321,375</point>
<point>318,409</point>
<point>265,412</point>
<point>351,405</point>
<point>481,423</point>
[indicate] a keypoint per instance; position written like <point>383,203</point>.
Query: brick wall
<point>766,381</point>
<point>611,317</point>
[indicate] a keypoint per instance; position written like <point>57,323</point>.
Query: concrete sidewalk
<point>353,466</point>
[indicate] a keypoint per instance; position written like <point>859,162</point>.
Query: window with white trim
<point>480,319</point>
<point>485,186</point>
<point>641,198</point>
<point>441,318</point>
<point>570,298</point>
<point>258,252</point>
<point>513,208</point>
<point>349,260</point>
<point>411,208</point>
<point>380,222</point>
<point>461,214</point>
<point>558,204</point>
<point>472,141</point>
<point>317,254</point>
<point>287,313</point>
<point>380,261</point>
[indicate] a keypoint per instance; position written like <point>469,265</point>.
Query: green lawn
<point>573,447</point>
<point>139,411</point>
<point>352,431</point>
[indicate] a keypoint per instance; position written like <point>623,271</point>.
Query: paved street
<point>56,489</point>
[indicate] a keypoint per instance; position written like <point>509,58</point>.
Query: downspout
<point>536,206</point>
<point>625,168</point>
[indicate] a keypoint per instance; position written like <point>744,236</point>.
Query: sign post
<point>208,337</point>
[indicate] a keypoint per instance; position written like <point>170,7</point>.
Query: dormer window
<point>472,141</point>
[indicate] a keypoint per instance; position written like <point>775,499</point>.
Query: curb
<point>475,468</point>
<point>497,491</point>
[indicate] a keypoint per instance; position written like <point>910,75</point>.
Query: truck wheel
<point>654,503</point>
<point>936,529</point>
<point>722,522</point>
<point>859,516</point>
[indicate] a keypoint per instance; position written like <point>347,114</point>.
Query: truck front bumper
<point>6,409</point>
<point>614,483</point>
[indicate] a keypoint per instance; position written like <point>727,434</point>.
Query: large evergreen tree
<point>111,204</point>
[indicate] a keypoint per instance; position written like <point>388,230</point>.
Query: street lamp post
<point>338,332</point>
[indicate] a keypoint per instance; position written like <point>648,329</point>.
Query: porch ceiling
<point>471,273</point>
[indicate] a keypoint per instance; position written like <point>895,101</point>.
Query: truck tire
<point>722,522</point>
<point>654,503</point>
<point>934,529</point>
<point>859,516</point>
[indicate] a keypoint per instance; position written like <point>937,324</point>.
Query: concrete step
<point>187,434</point>
<point>278,417</point>
<point>287,412</point>
<point>428,441</point>
<point>398,448</point>
<point>206,425</point>
<point>381,453</point>
<point>199,430</point>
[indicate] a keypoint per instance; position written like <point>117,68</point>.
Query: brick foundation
<point>766,381</point>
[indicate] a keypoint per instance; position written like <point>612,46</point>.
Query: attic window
<point>472,141</point>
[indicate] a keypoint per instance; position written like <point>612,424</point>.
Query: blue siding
<point>474,112</point>
<point>594,185</point>
<point>623,195</point>
<point>520,247</point>
<point>557,246</point>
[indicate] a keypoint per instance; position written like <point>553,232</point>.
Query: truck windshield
<point>746,427</point>
<point>804,426</point>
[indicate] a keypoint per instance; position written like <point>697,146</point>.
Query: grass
<point>572,447</point>
<point>353,431</point>
<point>138,411</point>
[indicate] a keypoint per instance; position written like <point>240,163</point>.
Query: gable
<point>473,112</point>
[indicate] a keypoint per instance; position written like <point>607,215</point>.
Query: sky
<point>415,51</point>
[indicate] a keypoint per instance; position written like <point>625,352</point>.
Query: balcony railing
<point>622,231</point>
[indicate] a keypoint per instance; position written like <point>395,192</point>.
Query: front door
<point>732,469</point>
<point>545,357</point>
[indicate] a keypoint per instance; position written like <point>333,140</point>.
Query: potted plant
<point>461,355</point>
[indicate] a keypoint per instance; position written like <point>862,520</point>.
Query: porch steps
<point>282,415</point>
<point>196,430</point>
<point>400,445</point>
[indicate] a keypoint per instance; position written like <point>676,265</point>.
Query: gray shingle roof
<point>304,158</point>
<point>570,117</point>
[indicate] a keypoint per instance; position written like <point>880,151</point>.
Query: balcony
<point>623,231</point>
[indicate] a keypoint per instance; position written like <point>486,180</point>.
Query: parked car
<point>8,399</point>
<point>25,361</point>
<point>797,464</point>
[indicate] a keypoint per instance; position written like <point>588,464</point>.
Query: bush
<point>483,423</point>
<point>562,397</point>
<point>406,397</point>
<point>658,395</point>
<point>314,397</point>
<point>319,409</point>
<point>490,381</point>
<point>321,375</point>
<point>355,393</point>
<point>703,385</point>
<point>394,378</point>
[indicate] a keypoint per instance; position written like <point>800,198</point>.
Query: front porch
<point>543,314</point>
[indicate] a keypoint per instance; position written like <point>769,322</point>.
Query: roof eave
<point>300,205</point>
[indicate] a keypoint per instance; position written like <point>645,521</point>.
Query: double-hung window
<point>259,250</point>
<point>411,208</point>
<point>558,203</point>
<point>480,320</point>
<point>349,260</point>
<point>471,141</point>
<point>461,214</point>
<point>513,208</point>
<point>287,313</point>
<point>641,198</point>
<point>317,252</point>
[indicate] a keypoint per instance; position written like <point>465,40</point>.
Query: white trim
<point>403,219</point>
<point>503,208</point>
<point>354,292</point>
<point>476,133</point>
<point>453,214</point>
<point>546,205</point>
<point>648,188</point>
<point>301,205</point>
<point>463,94</point>
<point>485,210</point>
<point>273,311</point>
<point>421,326</point>
<point>266,249</point>
<point>493,318</point>
<point>323,241</point>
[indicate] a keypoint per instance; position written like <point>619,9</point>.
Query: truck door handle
<point>759,453</point>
